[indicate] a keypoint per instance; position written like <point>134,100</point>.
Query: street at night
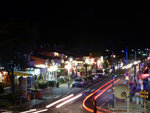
<point>102,91</point>
<point>74,57</point>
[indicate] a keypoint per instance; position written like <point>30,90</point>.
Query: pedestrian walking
<point>133,99</point>
<point>137,97</point>
<point>141,101</point>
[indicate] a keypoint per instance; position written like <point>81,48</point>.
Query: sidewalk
<point>121,107</point>
<point>49,95</point>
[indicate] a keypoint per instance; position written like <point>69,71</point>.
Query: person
<point>133,99</point>
<point>137,97</point>
<point>141,101</point>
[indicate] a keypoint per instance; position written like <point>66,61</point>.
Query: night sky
<point>86,27</point>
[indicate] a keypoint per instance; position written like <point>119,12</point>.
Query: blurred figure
<point>137,97</point>
<point>141,102</point>
<point>133,99</point>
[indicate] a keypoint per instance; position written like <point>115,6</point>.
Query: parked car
<point>85,81</point>
<point>95,77</point>
<point>101,72</point>
<point>78,82</point>
<point>90,79</point>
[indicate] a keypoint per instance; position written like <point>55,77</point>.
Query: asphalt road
<point>103,100</point>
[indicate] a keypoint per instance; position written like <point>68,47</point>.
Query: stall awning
<point>21,74</point>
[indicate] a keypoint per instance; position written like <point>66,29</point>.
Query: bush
<point>43,85</point>
<point>61,81</point>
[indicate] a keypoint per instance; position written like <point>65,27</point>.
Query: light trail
<point>106,89</point>
<point>67,101</point>
<point>31,110</point>
<point>52,104</point>
<point>39,111</point>
<point>87,97</point>
<point>84,106</point>
<point>102,93</point>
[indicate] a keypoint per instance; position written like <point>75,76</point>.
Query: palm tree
<point>85,66</point>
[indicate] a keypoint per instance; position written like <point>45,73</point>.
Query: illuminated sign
<point>145,75</point>
<point>143,94</point>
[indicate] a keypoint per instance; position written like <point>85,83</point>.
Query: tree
<point>85,66</point>
<point>105,64</point>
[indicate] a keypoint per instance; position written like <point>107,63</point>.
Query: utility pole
<point>96,66</point>
<point>12,73</point>
<point>127,74</point>
<point>113,95</point>
<point>95,109</point>
<point>135,68</point>
<point>113,87</point>
<point>149,81</point>
<point>113,61</point>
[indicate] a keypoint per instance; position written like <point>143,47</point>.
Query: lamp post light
<point>113,87</point>
<point>135,67</point>
<point>113,59</point>
<point>127,75</point>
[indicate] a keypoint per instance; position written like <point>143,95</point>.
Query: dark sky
<point>87,26</point>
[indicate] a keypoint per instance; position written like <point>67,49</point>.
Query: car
<point>95,77</point>
<point>78,82</point>
<point>101,72</point>
<point>85,81</point>
<point>90,79</point>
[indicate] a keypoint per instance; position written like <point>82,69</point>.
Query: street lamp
<point>113,57</point>
<point>134,66</point>
<point>127,75</point>
<point>113,87</point>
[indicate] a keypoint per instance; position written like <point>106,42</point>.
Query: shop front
<point>5,80</point>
